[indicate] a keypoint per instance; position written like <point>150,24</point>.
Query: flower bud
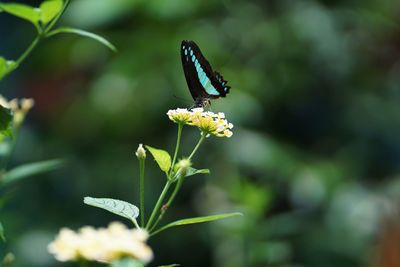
<point>140,152</point>
<point>182,168</point>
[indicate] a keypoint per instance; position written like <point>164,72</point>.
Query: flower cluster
<point>102,245</point>
<point>208,122</point>
<point>19,107</point>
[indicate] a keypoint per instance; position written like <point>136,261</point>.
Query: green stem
<point>135,223</point>
<point>22,57</point>
<point>83,263</point>
<point>178,185</point>
<point>29,49</point>
<point>39,37</point>
<point>141,189</point>
<point>157,231</point>
<point>171,172</point>
<point>203,136</point>
<point>171,198</point>
<point>178,142</point>
<point>158,204</point>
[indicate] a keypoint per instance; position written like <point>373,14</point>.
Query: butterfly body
<point>204,83</point>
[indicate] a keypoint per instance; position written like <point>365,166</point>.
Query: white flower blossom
<point>102,245</point>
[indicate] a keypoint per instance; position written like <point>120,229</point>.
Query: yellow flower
<point>102,245</point>
<point>179,115</point>
<point>208,122</point>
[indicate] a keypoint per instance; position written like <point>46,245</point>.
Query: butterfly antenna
<point>182,99</point>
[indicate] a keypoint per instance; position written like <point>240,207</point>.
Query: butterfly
<point>204,83</point>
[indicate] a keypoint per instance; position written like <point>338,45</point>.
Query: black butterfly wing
<point>220,84</point>
<point>196,89</point>
<point>202,81</point>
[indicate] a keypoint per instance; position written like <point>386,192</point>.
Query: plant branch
<point>178,141</point>
<point>29,49</point>
<point>158,204</point>
<point>178,185</point>
<point>203,136</point>
<point>141,189</point>
<point>171,198</point>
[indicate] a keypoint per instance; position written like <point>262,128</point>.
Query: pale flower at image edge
<point>102,245</point>
<point>19,107</point>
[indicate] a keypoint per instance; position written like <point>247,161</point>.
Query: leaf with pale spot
<point>6,66</point>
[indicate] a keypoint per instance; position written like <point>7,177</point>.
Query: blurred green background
<point>314,160</point>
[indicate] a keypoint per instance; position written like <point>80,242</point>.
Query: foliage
<point>313,164</point>
<point>44,19</point>
<point>12,113</point>
<point>174,176</point>
<point>5,122</point>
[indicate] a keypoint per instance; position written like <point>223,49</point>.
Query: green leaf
<point>6,66</point>
<point>83,33</point>
<point>162,158</point>
<point>119,207</point>
<point>30,169</point>
<point>197,220</point>
<point>11,65</point>
<point>5,122</point>
<point>22,11</point>
<point>170,265</point>
<point>2,236</point>
<point>192,171</point>
<point>127,262</point>
<point>49,10</point>
<point>3,68</point>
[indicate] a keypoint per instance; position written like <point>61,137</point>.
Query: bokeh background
<point>314,162</point>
